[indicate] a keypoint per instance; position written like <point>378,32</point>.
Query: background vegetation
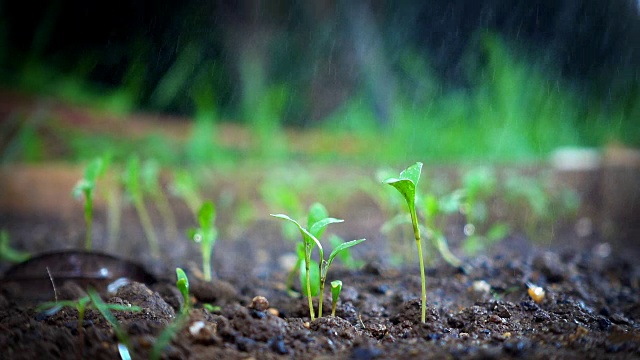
<point>439,80</point>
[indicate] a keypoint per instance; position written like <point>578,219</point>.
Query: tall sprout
<point>406,184</point>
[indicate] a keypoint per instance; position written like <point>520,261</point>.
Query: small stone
<point>259,303</point>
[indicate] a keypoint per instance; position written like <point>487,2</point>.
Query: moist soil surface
<point>590,307</point>
<point>482,310</point>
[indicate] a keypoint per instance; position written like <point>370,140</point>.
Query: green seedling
<point>182,284</point>
<point>169,332</point>
<point>310,240</point>
<point>336,289</point>
<point>7,253</point>
<point>479,185</point>
<point>81,305</point>
<point>206,235</point>
<point>317,212</point>
<point>85,187</point>
<point>346,258</point>
<point>133,186</point>
<point>406,184</point>
<point>105,310</point>
<point>151,181</point>
<point>185,186</point>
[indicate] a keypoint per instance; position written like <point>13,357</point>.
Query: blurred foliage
<point>434,80</point>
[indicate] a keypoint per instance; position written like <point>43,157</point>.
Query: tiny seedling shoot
<point>183,285</point>
<point>7,253</point>
<point>87,302</point>
<point>85,187</point>
<point>205,235</point>
<point>336,289</point>
<point>151,180</point>
<point>132,184</point>
<point>172,329</point>
<point>310,240</point>
<point>406,184</point>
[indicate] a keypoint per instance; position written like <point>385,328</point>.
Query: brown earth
<point>483,310</point>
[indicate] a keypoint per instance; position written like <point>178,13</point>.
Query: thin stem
<point>88,218</point>
<point>320,297</point>
<point>308,269</point>
<point>148,228</point>
<point>206,264</point>
<point>423,280</point>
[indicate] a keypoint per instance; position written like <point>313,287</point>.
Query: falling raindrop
<point>469,229</point>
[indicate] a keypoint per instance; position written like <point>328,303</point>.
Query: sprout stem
<point>88,217</point>
<point>423,280</point>
<point>308,274</point>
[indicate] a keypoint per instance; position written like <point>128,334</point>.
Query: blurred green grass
<point>514,110</point>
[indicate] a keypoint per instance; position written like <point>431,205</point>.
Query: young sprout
<point>105,310</point>
<point>86,187</point>
<point>172,329</point>
<point>336,288</point>
<point>133,186</point>
<point>317,212</point>
<point>406,184</point>
<point>183,285</point>
<point>7,253</point>
<point>205,235</point>
<point>310,240</point>
<point>86,302</point>
<point>151,181</point>
<point>185,187</point>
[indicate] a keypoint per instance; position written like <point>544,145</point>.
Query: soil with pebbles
<point>590,309</point>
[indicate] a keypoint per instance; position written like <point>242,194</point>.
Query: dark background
<point>323,50</point>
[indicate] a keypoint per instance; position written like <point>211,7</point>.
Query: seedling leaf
<point>183,285</point>
<point>341,247</point>
<point>319,226</point>
<point>336,288</point>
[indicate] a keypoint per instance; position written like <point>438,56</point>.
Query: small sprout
<point>132,184</point>
<point>336,288</point>
<point>406,184</point>
<point>211,308</point>
<point>165,337</point>
<point>185,187</point>
<point>105,310</point>
<point>183,285</point>
<point>205,235</point>
<point>85,187</point>
<point>310,241</point>
<point>535,292</point>
<point>7,253</point>
<point>86,302</point>
<point>151,180</point>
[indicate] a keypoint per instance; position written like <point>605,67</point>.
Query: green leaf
<point>7,253</point>
<point>206,215</point>
<point>319,226</point>
<point>308,238</point>
<point>317,212</point>
<point>497,232</point>
<point>183,285</point>
<point>342,247</point>
<point>131,177</point>
<point>336,288</point>
<point>150,175</point>
<point>406,185</point>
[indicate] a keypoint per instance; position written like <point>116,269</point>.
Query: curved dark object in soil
<point>31,280</point>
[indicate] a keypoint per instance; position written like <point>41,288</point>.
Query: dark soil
<point>591,308</point>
